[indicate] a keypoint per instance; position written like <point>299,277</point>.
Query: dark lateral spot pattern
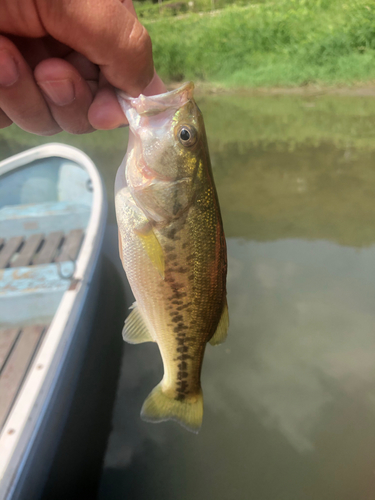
<point>171,234</point>
<point>183,348</point>
<point>177,318</point>
<point>179,329</point>
<point>175,272</point>
<point>182,386</point>
<point>182,306</point>
<point>184,357</point>
<point>177,286</point>
<point>178,295</point>
<point>181,270</point>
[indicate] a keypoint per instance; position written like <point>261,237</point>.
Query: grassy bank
<point>286,42</point>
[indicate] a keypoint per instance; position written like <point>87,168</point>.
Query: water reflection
<point>290,397</point>
<point>302,332</point>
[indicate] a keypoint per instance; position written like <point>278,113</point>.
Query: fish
<point>172,247</point>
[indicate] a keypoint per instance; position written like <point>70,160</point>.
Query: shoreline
<point>359,89</point>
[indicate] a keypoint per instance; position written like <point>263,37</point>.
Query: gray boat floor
<point>19,344</point>
<point>39,249</point>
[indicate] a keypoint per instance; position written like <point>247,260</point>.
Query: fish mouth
<point>137,111</point>
<point>153,105</point>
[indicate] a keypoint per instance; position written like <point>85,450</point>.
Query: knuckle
<point>20,18</point>
<point>141,55</point>
<point>140,39</point>
<point>9,46</point>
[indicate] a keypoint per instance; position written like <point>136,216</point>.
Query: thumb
<point>108,34</point>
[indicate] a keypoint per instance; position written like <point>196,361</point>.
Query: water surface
<point>290,397</point>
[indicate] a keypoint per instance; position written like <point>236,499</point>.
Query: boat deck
<point>39,249</point>
<point>18,346</point>
<point>31,258</point>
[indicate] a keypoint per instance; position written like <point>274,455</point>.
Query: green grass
<point>286,42</point>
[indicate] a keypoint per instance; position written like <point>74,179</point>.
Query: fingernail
<point>8,69</point>
<point>61,92</point>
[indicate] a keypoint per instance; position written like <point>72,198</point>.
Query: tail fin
<point>158,407</point>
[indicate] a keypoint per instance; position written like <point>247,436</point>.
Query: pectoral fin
<point>135,330</point>
<point>120,248</point>
<point>152,246</point>
<point>222,328</point>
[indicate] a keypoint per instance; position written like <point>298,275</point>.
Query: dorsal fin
<point>222,328</point>
<point>135,330</point>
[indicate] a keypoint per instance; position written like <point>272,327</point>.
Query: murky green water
<point>290,397</point>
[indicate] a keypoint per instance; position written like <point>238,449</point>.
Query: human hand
<point>61,60</point>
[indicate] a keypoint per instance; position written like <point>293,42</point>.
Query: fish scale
<point>172,247</point>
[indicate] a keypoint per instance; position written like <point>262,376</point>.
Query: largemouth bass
<point>172,247</point>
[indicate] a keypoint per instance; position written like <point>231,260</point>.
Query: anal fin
<point>222,328</point>
<point>135,330</point>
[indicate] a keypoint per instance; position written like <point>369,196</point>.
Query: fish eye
<point>187,135</point>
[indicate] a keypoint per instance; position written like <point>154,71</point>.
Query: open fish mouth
<point>153,105</point>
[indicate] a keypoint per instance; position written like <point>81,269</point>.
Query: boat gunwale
<point>26,416</point>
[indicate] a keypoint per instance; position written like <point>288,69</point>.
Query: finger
<point>129,5</point>
<point>105,112</point>
<point>20,98</point>
<point>110,37</point>
<point>35,50</point>
<point>67,94</point>
<point>5,121</point>
<point>86,68</point>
